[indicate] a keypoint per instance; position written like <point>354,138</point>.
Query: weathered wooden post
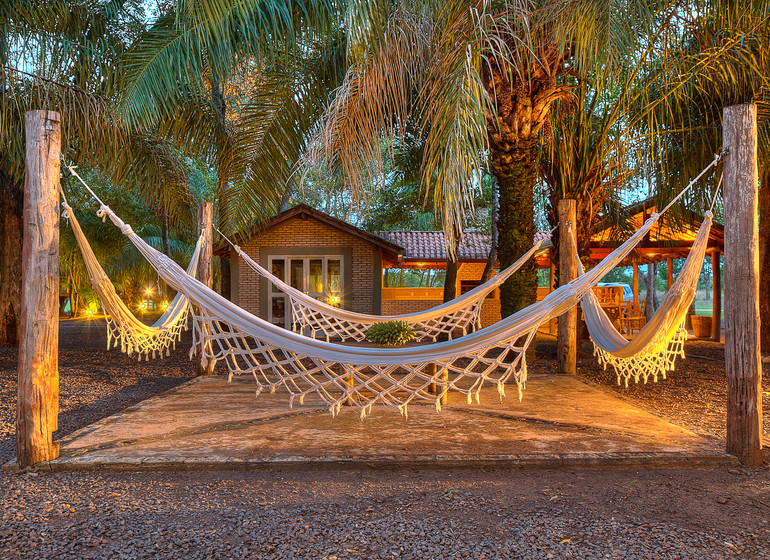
<point>205,267</point>
<point>716,297</point>
<point>37,406</point>
<point>551,287</point>
<point>566,339</point>
<point>669,272</point>
<point>635,286</point>
<point>742,356</point>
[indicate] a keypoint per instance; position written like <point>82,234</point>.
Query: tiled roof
<point>429,245</point>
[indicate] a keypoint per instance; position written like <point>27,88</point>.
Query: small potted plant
<point>390,333</point>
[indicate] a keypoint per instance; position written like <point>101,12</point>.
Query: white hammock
<point>317,316</point>
<point>362,376</point>
<point>122,325</point>
<point>653,351</point>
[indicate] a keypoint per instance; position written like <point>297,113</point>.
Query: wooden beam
<point>742,357</point>
<point>716,297</point>
<point>635,287</point>
<point>669,272</point>
<point>205,266</point>
<point>566,338</point>
<point>37,406</point>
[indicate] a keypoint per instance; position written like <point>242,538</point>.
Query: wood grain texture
<point>716,296</point>
<point>38,372</point>
<point>566,337</point>
<point>206,262</point>
<point>742,356</point>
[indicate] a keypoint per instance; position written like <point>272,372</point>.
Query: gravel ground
<point>93,382</point>
<point>682,514</point>
<point>407,514</point>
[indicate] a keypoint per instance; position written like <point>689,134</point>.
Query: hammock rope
<point>462,313</point>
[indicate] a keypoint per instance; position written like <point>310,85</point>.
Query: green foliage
<point>392,333</point>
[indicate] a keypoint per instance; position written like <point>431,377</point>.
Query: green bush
<point>392,333</point>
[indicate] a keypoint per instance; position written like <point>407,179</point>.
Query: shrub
<point>392,333</point>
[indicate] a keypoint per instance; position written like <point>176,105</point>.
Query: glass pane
<point>333,281</point>
<point>279,311</point>
<point>316,276</point>
<point>279,271</point>
<point>297,270</point>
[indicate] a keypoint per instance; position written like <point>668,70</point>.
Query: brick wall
<point>401,306</point>
<point>297,234</point>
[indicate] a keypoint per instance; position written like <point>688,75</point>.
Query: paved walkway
<point>563,422</point>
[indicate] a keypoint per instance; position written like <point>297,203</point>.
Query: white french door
<point>319,277</point>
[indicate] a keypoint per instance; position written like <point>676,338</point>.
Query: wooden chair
<point>630,321</point>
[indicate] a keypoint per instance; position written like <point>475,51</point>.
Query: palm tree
<point>481,81</point>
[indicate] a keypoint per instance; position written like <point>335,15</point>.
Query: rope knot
<point>103,212</point>
<point>126,229</point>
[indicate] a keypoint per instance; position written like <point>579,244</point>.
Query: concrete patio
<point>562,422</point>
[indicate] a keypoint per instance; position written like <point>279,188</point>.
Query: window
<point>319,277</point>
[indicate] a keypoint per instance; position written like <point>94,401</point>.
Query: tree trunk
<point>11,221</point>
<point>164,234</point>
<point>516,172</point>
<point>489,268</point>
<point>450,280</point>
<point>649,298</point>
<point>764,259</point>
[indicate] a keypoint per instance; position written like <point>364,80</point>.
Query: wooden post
<point>742,357</point>
<point>350,382</point>
<point>635,288</point>
<point>669,272</point>
<point>37,406</point>
<point>551,287</point>
<point>432,385</point>
<point>716,297</point>
<point>205,265</point>
<point>566,340</point>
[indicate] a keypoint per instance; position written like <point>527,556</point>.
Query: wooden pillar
<point>205,265</point>
<point>37,406</point>
<point>742,357</point>
<point>551,287</point>
<point>635,287</point>
<point>669,272</point>
<point>432,389</point>
<point>566,339</point>
<point>350,382</point>
<point>716,296</point>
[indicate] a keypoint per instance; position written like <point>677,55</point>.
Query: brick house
<point>343,265</point>
<point>321,255</point>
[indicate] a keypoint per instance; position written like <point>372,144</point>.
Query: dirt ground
<point>685,513</point>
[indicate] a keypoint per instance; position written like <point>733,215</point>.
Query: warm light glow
<point>165,305</point>
<point>420,264</point>
<point>142,305</point>
<point>90,312</point>
<point>334,299</point>
<point>148,291</point>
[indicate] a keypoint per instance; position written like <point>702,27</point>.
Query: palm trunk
<point>764,260</point>
<point>489,268</point>
<point>450,280</point>
<point>516,172</point>
<point>11,221</point>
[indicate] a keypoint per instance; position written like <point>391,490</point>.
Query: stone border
<point>562,461</point>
